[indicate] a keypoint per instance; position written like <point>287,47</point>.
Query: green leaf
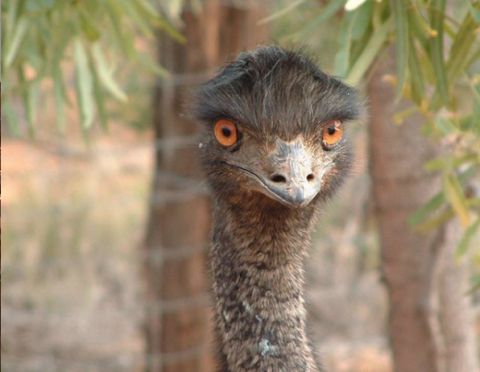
<point>59,109</point>
<point>99,98</point>
<point>468,173</point>
<point>29,94</point>
<point>436,221</point>
<point>449,162</point>
<point>441,95</point>
<point>353,28</point>
<point>105,74</point>
<point>84,84</point>
<point>419,26</point>
<point>402,43</point>
<point>400,116</point>
<point>425,67</point>
<point>60,100</point>
<point>417,83</point>
<point>89,28</point>
<point>371,51</point>
<point>141,21</point>
<point>436,164</point>
<point>422,218</point>
<point>18,34</point>
<point>425,211</point>
<point>57,76</point>
<point>146,9</point>
<point>460,50</point>
<point>342,61</point>
<point>454,194</point>
<point>342,58</point>
<point>361,20</point>
<point>152,66</point>
<point>11,117</point>
<point>444,125</point>
<point>123,39</point>
<point>280,13</point>
<point>466,238</point>
<point>10,12</point>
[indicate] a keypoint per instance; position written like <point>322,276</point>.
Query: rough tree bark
<point>430,323</point>
<point>177,328</point>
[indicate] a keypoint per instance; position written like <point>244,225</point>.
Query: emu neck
<point>257,264</point>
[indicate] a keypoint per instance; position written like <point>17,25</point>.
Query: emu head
<point>275,128</point>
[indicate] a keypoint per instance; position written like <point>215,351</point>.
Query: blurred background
<point>106,216</point>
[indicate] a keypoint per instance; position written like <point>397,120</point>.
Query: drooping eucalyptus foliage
<point>437,48</point>
<point>41,37</point>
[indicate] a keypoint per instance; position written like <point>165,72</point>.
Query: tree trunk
<point>418,267</point>
<point>177,328</point>
<point>456,314</point>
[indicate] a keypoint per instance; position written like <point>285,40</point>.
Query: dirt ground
<point>73,221</point>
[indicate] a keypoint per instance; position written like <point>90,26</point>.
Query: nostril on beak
<point>278,178</point>
<point>310,177</point>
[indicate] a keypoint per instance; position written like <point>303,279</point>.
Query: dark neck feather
<point>257,265</point>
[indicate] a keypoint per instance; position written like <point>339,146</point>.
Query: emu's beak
<point>290,176</point>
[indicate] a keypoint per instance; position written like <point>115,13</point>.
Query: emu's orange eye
<point>226,132</point>
<point>332,133</point>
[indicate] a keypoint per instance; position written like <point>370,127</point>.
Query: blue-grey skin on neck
<point>267,190</point>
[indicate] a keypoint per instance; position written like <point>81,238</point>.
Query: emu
<point>274,147</point>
